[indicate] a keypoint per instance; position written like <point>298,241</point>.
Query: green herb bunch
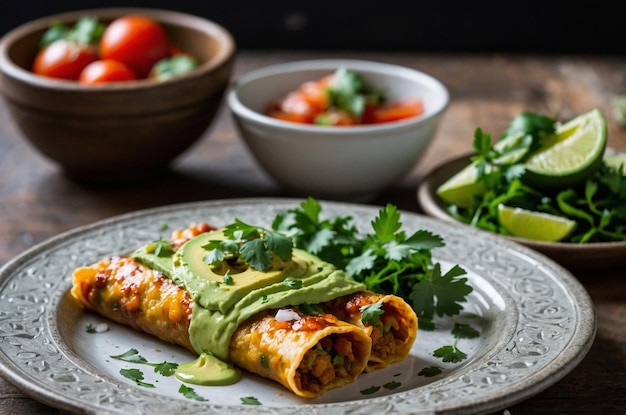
<point>598,205</point>
<point>386,260</point>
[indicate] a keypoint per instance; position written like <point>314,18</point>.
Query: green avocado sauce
<point>220,306</point>
<point>208,370</point>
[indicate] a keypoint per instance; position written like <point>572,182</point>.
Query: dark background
<point>532,26</point>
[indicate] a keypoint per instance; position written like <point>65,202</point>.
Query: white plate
<point>537,324</point>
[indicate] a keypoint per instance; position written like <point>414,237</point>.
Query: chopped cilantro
<point>430,371</point>
<point>250,400</point>
<point>133,356</point>
<point>464,331</point>
<point>291,283</point>
<point>253,245</point>
<point>370,390</point>
<point>371,313</point>
<point>190,393</point>
<point>392,385</point>
<point>450,354</point>
<point>310,309</point>
<point>135,375</point>
<point>90,328</point>
<point>228,279</point>
<point>386,260</point>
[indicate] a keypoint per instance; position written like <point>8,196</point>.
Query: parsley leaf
<point>430,371</point>
<point>190,393</point>
<point>135,375</point>
<point>254,245</point>
<point>464,331</point>
<point>392,385</point>
<point>440,294</point>
<point>386,260</point>
<point>133,356</point>
<point>371,390</point>
<point>250,400</point>
<point>165,368</point>
<point>450,353</point>
<point>370,314</point>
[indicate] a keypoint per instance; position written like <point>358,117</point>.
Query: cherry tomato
<point>137,41</point>
<point>106,70</point>
<point>63,59</point>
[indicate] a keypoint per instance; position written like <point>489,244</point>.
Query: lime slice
<point>571,156</point>
<point>533,225</point>
<point>461,188</point>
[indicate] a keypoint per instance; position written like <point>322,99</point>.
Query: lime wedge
<point>571,156</point>
<point>533,225</point>
<point>461,188</point>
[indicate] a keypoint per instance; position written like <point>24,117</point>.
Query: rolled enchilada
<point>262,328</point>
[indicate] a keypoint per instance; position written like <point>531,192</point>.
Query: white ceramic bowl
<point>348,163</point>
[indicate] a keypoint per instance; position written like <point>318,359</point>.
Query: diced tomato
<point>290,116</point>
<point>311,103</point>
<point>397,111</point>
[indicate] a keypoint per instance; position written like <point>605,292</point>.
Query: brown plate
<point>591,256</point>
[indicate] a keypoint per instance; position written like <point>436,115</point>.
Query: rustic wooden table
<point>37,201</point>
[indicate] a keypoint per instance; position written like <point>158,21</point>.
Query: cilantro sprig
<point>251,244</point>
<point>386,259</point>
<point>133,356</point>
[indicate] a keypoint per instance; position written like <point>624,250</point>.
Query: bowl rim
<point>238,108</point>
<point>224,53</point>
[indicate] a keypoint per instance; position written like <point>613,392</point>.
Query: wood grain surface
<point>37,201</point>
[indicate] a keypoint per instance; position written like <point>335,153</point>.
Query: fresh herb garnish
<point>392,385</point>
<point>161,248</point>
<point>464,331</point>
<point>293,284</point>
<point>135,375</point>
<point>370,390</point>
<point>190,393</point>
<point>133,356</point>
<point>228,279</point>
<point>252,244</point>
<point>450,354</point>
<point>385,260</point>
<point>86,30</point>
<point>90,328</point>
<point>310,309</point>
<point>250,400</point>
<point>430,371</point>
<point>350,93</point>
<point>370,314</point>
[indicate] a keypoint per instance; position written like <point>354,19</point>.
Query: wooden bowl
<point>123,131</point>
<point>576,257</point>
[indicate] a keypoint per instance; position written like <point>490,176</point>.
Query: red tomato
<point>106,70</point>
<point>137,41</point>
<point>63,59</point>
